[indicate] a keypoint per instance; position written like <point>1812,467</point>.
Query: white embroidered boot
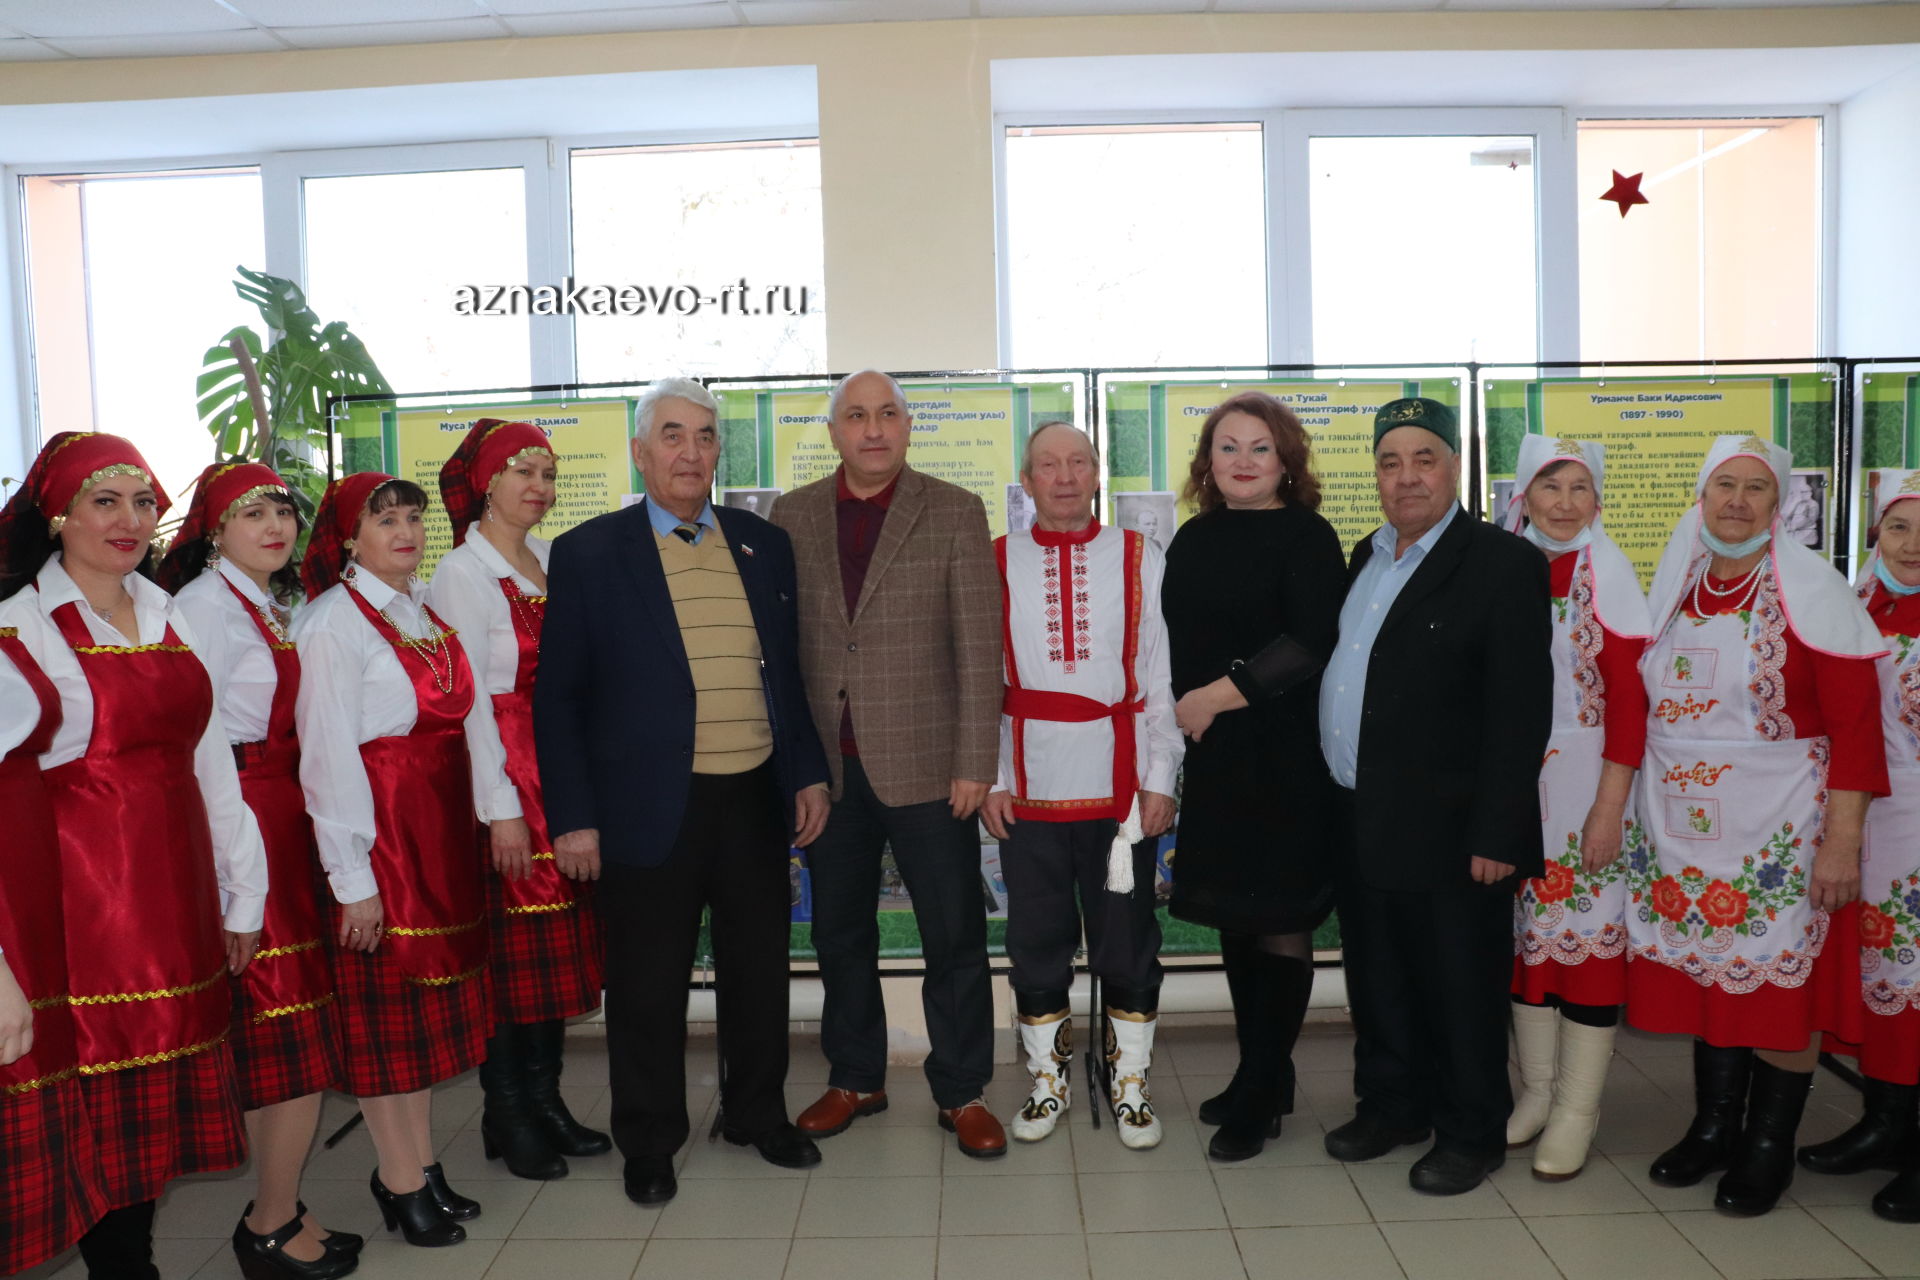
<point>1536,1039</point>
<point>1581,1077</point>
<point>1048,1040</point>
<point>1129,1054</point>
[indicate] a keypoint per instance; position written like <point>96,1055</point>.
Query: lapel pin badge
<point>745,550</point>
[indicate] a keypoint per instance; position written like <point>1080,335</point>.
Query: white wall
<point>1879,231</point>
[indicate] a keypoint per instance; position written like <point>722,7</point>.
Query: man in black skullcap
<point>1434,715</point>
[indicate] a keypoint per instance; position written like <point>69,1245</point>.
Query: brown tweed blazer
<point>920,658</point>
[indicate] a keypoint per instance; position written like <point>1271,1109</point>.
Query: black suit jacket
<point>1458,709</point>
<point>613,701</point>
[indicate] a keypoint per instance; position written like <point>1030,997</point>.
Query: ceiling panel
<point>788,13</point>
<point>1084,8</point>
<point>716,13</point>
<point>117,17</point>
<point>393,33</point>
<point>340,13</point>
<point>589,8</point>
<point>26,51</point>
<point>178,44</point>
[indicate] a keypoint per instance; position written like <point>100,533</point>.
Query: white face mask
<point>1735,550</point>
<point>1552,545</point>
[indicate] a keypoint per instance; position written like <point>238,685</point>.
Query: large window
<point>130,280</point>
<point>720,245</point>
<point>1423,249</point>
<point>388,253</point>
<point>1138,245</point>
<point>1722,261</point>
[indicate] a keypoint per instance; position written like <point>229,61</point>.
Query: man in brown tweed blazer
<point>900,649</point>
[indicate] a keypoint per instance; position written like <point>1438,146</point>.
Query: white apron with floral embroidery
<point>1890,849</point>
<point>1568,915</point>
<point>1731,806</point>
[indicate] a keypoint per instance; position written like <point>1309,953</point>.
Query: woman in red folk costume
<point>229,569</point>
<point>156,843</point>
<point>49,1195</point>
<point>1763,750</point>
<point>548,953</point>
<point>1884,1031</point>
<point>383,716</point>
<point>1570,925</point>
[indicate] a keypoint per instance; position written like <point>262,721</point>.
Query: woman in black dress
<point>1252,599</point>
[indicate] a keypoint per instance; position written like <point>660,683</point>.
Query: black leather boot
<point>1762,1165</point>
<point>1235,952</point>
<point>1887,1136</point>
<point>456,1207</point>
<point>417,1216</point>
<point>564,1134</point>
<point>1281,987</point>
<point>1899,1200</point>
<point>508,1128</point>
<point>1720,1079</point>
<point>120,1245</point>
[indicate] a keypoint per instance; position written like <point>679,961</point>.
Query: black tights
<point>120,1245</point>
<point>1587,1015</point>
<point>1291,946</point>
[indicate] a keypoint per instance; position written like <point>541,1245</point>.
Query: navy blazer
<point>613,700</point>
<point>1457,712</point>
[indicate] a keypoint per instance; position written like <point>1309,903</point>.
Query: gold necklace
<point>433,646</point>
<point>522,605</point>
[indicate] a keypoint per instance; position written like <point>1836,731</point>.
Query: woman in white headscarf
<point>1884,1032</point>
<point>1763,750</point>
<point>1570,924</point>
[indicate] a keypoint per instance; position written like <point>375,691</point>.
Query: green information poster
<point>1656,431</point>
<point>1153,428</point>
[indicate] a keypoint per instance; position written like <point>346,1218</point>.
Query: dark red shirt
<point>859,522</point>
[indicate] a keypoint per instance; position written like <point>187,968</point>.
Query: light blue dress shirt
<point>1343,686</point>
<point>665,522</point>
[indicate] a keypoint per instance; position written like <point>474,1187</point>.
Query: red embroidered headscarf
<point>489,448</point>
<point>333,528</point>
<point>218,492</point>
<point>70,463</point>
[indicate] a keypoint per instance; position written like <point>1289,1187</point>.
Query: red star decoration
<point>1625,192</point>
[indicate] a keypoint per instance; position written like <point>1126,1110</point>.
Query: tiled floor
<point>894,1201</point>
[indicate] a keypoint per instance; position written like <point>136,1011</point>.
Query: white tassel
<point>1120,853</point>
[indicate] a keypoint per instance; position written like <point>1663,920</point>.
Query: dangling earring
<point>213,554</point>
<point>55,525</point>
<point>351,570</point>
<point>488,513</point>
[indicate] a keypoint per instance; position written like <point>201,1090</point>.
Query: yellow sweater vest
<point>731,733</point>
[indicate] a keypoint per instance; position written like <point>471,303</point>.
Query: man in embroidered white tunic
<point>1088,754</point>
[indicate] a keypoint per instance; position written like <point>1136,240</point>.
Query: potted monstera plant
<point>268,399</point>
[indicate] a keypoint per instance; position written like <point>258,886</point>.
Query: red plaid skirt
<point>48,1194</point>
<point>154,1124</point>
<point>286,1055</point>
<point>546,964</point>
<point>398,1036</point>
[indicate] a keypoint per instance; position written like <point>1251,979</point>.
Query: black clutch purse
<point>1282,665</point>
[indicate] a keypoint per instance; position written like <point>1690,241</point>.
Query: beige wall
<point>906,116</point>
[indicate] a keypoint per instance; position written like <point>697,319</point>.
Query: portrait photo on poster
<point>1803,512</point>
<point>1019,509</point>
<point>1502,495</point>
<point>758,501</point>
<point>1149,513</point>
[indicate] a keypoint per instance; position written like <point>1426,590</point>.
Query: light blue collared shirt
<point>665,522</point>
<point>1343,686</point>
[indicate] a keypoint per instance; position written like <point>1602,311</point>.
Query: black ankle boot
<point>545,1041</point>
<point>1899,1200</point>
<point>1234,951</point>
<point>1281,987</point>
<point>457,1207</point>
<point>416,1214</point>
<point>507,1125</point>
<point>1720,1079</point>
<point>265,1257</point>
<point>1887,1136</point>
<point>1762,1165</point>
<point>120,1245</point>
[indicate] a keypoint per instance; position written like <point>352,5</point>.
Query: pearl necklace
<point>1751,587</point>
<point>433,647</point>
<point>523,612</point>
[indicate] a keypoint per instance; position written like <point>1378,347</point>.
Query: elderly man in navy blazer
<point>678,761</point>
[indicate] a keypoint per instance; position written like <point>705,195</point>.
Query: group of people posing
<point>401,831</point>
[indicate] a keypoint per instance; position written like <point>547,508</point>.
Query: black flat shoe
<point>416,1216</point>
<point>650,1186</point>
<point>346,1242</point>
<point>456,1206</point>
<point>1451,1173</point>
<point>785,1146</point>
<point>1362,1138</point>
<point>264,1257</point>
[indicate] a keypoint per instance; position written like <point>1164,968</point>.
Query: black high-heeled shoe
<point>346,1242</point>
<point>416,1215</point>
<point>451,1202</point>
<point>265,1257</point>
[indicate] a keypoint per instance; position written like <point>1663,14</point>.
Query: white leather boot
<point>1536,1038</point>
<point>1582,1076</point>
<point>1048,1040</point>
<point>1130,1053</point>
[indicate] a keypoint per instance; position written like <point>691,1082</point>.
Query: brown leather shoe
<point>838,1108</point>
<point>977,1129</point>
